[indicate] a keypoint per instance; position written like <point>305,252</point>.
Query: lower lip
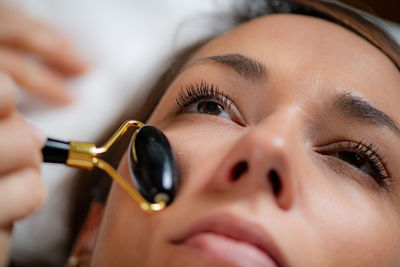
<point>227,250</point>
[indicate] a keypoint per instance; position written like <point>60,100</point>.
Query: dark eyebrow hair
<point>251,69</point>
<point>360,108</point>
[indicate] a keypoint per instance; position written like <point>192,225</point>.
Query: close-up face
<point>285,133</point>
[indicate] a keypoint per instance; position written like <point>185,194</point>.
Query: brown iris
<point>210,107</point>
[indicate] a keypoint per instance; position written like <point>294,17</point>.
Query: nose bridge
<point>264,158</point>
<point>277,133</point>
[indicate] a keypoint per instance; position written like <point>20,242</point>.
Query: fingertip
<point>8,94</point>
<point>8,82</point>
<point>74,64</point>
<point>55,49</point>
<point>81,67</point>
<point>32,179</point>
<point>38,133</point>
<point>53,88</point>
<point>6,78</point>
<point>26,194</point>
<point>63,98</point>
<point>68,59</point>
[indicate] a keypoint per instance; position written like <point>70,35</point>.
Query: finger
<point>19,146</point>
<point>52,48</point>
<point>21,193</point>
<point>34,76</point>
<point>21,31</point>
<point>7,95</point>
<point>5,239</point>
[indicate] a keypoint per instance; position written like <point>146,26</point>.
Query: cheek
<point>352,224</point>
<point>125,231</point>
<point>137,233</point>
<point>199,150</point>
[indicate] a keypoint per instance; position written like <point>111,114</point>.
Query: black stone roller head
<point>152,164</point>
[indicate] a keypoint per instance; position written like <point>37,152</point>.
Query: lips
<point>231,240</point>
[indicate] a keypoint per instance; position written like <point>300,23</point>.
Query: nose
<point>264,160</point>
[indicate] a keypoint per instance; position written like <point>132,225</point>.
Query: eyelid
<point>203,91</point>
<point>368,151</point>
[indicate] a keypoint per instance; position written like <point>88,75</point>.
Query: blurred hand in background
<point>36,56</point>
<point>21,187</point>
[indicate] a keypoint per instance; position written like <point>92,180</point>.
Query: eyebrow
<point>351,105</point>
<point>250,69</point>
<point>359,108</point>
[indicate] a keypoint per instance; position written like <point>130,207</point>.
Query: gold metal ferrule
<point>81,155</point>
<point>86,156</point>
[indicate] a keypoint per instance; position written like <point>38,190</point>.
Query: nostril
<point>238,170</point>
<point>275,181</point>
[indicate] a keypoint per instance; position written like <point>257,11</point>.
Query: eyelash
<point>203,91</point>
<point>367,151</point>
<point>197,92</point>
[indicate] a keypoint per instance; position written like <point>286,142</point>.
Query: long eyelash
<point>196,92</point>
<point>371,154</point>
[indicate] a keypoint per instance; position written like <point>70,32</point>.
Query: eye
<point>357,161</point>
<point>364,158</point>
<point>211,108</point>
<point>353,159</point>
<point>205,98</point>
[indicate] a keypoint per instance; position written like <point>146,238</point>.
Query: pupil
<point>210,108</point>
<point>352,158</point>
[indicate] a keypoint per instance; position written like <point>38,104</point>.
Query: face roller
<point>152,163</point>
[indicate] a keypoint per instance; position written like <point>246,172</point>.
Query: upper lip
<point>236,228</point>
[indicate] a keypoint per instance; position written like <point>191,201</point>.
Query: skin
<point>328,213</point>
<point>37,57</point>
<point>21,189</point>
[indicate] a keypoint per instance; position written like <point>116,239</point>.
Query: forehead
<point>296,36</point>
<point>312,50</point>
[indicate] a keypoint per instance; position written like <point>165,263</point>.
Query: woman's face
<point>285,134</point>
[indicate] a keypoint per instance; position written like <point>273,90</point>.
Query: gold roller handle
<point>86,156</point>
